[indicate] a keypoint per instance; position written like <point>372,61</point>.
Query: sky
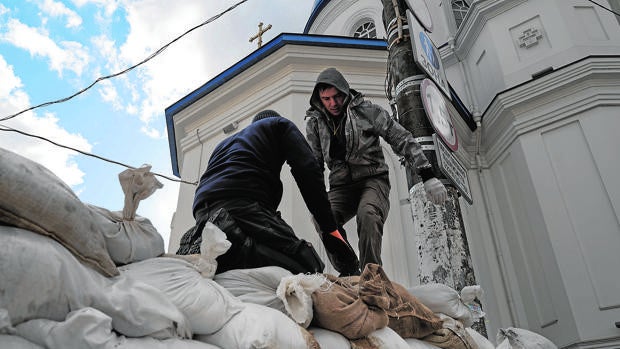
<point>51,49</point>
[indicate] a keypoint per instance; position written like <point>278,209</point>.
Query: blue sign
<point>429,50</point>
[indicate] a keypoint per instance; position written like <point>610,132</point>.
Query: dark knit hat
<point>265,114</point>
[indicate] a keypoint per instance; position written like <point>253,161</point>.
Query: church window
<point>366,30</point>
<point>460,8</point>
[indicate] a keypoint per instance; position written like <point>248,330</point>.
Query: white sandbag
<point>206,305</point>
<point>257,285</point>
<point>440,298</point>
<point>295,291</point>
<point>329,339</point>
<point>481,341</point>
<point>90,328</point>
<point>212,245</point>
<point>33,198</point>
<point>258,326</point>
<point>419,344</point>
<point>42,279</point>
<point>8,341</point>
<point>519,338</point>
<point>131,240</point>
<point>384,338</point>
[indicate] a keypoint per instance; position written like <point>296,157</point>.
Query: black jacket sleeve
<point>308,175</point>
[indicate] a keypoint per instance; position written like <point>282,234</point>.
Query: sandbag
<point>295,291</point>
<point>39,278</point>
<point>33,198</point>
<point>90,328</point>
<point>256,285</point>
<point>206,305</point>
<point>452,335</point>
<point>481,341</point>
<point>358,305</point>
<point>443,299</point>
<point>8,341</point>
<point>329,339</point>
<point>415,343</point>
<point>131,240</point>
<point>519,338</point>
<point>384,338</point>
<point>258,326</point>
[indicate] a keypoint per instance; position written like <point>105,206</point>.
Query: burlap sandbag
<point>357,306</point>
<point>33,198</point>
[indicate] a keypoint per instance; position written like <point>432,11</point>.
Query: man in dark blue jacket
<point>243,179</point>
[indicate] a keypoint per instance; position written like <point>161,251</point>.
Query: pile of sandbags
<point>73,275</point>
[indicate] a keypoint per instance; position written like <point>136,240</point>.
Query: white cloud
<point>109,6</point>
<point>69,55</point>
<point>3,10</point>
<point>58,9</point>
<point>58,160</point>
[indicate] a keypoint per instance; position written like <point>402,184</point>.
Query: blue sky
<point>51,49</point>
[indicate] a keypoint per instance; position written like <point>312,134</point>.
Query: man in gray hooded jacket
<point>343,130</point>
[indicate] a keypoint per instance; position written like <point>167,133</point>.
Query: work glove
<point>340,253</point>
<point>435,191</point>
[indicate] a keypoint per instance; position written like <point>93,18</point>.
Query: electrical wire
<point>153,55</point>
<point>128,69</point>
<point>10,129</point>
<point>608,9</point>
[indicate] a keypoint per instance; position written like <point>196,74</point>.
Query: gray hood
<point>330,76</point>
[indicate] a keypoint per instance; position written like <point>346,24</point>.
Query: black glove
<point>340,253</point>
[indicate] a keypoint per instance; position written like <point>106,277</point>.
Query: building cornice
<point>549,100</point>
<point>478,15</point>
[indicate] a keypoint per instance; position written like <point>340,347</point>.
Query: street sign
<point>421,13</point>
<point>437,111</point>
<point>426,55</point>
<point>452,168</point>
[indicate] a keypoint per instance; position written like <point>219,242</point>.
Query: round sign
<point>437,112</point>
<point>421,13</point>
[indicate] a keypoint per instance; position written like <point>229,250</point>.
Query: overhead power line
<point>128,69</point>
<point>10,129</point>
<point>153,55</point>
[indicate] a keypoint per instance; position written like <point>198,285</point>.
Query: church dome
<point>316,9</point>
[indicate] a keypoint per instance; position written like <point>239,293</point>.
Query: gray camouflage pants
<point>368,201</point>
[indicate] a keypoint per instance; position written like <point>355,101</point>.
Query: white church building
<point>537,119</point>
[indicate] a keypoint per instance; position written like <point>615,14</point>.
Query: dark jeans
<point>368,201</point>
<point>259,237</point>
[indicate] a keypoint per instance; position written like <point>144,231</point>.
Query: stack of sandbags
<point>90,328</point>
<point>33,198</point>
<point>40,279</point>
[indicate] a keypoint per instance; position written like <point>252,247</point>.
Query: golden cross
<point>259,36</point>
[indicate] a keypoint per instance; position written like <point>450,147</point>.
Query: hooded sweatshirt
<point>364,123</point>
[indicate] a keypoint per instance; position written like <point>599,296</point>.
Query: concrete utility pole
<point>440,236</point>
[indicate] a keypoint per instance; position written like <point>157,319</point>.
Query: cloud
<point>58,9</point>
<point>109,6</point>
<point>68,55</point>
<point>58,160</point>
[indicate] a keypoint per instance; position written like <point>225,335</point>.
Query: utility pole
<point>443,252</point>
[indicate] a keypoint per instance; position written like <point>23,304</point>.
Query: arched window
<point>366,30</point>
<point>460,8</point>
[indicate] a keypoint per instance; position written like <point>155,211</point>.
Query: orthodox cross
<point>259,36</point>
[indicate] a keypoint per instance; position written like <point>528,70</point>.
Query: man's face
<point>333,100</point>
